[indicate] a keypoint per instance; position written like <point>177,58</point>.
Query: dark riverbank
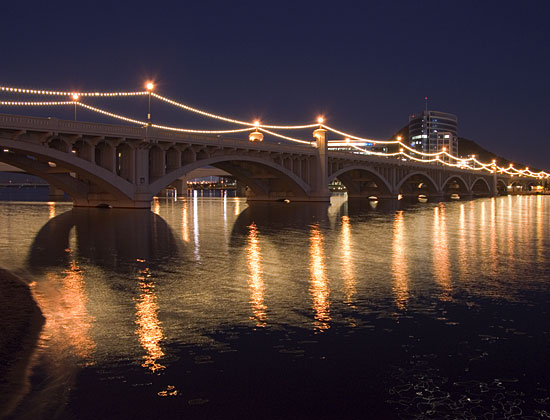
<point>20,322</point>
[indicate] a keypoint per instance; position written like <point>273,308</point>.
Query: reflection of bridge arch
<point>362,181</point>
<point>254,172</point>
<point>127,234</point>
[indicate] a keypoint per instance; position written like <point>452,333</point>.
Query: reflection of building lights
<point>184,223</point>
<point>441,252</point>
<point>399,262</point>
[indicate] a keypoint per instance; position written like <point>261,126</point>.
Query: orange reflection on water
<point>347,261</point>
<point>493,255</point>
<point>185,223</point>
<point>540,225</point>
<point>51,209</point>
<point>62,299</point>
<point>156,206</point>
<point>237,207</point>
<point>442,269</point>
<point>256,277</point>
<point>462,249</point>
<point>399,262</point>
<point>319,282</point>
<point>148,330</point>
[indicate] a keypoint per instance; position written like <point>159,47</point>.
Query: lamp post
<point>75,97</point>
<point>149,86</point>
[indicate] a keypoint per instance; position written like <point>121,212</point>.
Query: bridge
<point>126,166</point>
<point>123,166</point>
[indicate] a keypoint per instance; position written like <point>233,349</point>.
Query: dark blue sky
<point>365,65</point>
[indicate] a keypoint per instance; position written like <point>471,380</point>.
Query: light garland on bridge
<point>61,93</point>
<point>464,163</point>
<point>231,120</point>
<point>25,103</point>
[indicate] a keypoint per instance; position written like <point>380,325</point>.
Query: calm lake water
<point>212,308</point>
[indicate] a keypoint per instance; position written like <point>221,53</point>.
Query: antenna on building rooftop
<point>426,103</point>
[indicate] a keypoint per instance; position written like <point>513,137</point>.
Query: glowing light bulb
<point>75,96</point>
<point>320,120</point>
<point>347,140</point>
<point>399,138</point>
<point>401,150</point>
<point>256,123</point>
<point>149,86</point>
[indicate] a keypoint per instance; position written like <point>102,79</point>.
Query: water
<point>211,308</point>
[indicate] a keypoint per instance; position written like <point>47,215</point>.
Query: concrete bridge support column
<point>56,194</point>
<point>181,187</point>
<point>125,163</point>
<point>240,189</point>
<point>320,191</point>
<point>143,195</point>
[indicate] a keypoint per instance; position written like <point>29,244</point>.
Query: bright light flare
<point>149,86</point>
<point>320,120</point>
<point>75,96</point>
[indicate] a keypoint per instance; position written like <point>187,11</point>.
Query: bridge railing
<point>18,122</point>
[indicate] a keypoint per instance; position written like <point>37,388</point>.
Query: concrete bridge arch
<point>361,181</point>
<point>455,184</point>
<point>55,165</point>
<point>425,185</point>
<point>255,172</point>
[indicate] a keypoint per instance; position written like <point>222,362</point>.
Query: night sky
<point>365,65</point>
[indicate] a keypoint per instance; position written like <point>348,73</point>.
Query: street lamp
<point>149,86</point>
<point>75,97</point>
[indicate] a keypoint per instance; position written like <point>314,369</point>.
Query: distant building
<point>344,146</point>
<point>431,131</point>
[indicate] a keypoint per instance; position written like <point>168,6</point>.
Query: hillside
<point>468,147</point>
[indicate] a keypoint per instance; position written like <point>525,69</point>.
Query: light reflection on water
<point>122,289</point>
<point>256,280</point>
<point>348,268</point>
<point>399,262</point>
<point>440,249</point>
<point>148,329</point>
<point>319,287</point>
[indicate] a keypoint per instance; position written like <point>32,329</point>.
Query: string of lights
<point>362,139</point>
<point>465,163</point>
<point>65,93</point>
<point>284,137</point>
<point>231,120</point>
<point>24,103</point>
<point>187,130</point>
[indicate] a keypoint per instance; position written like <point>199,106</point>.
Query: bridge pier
<point>319,190</point>
<point>56,194</point>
